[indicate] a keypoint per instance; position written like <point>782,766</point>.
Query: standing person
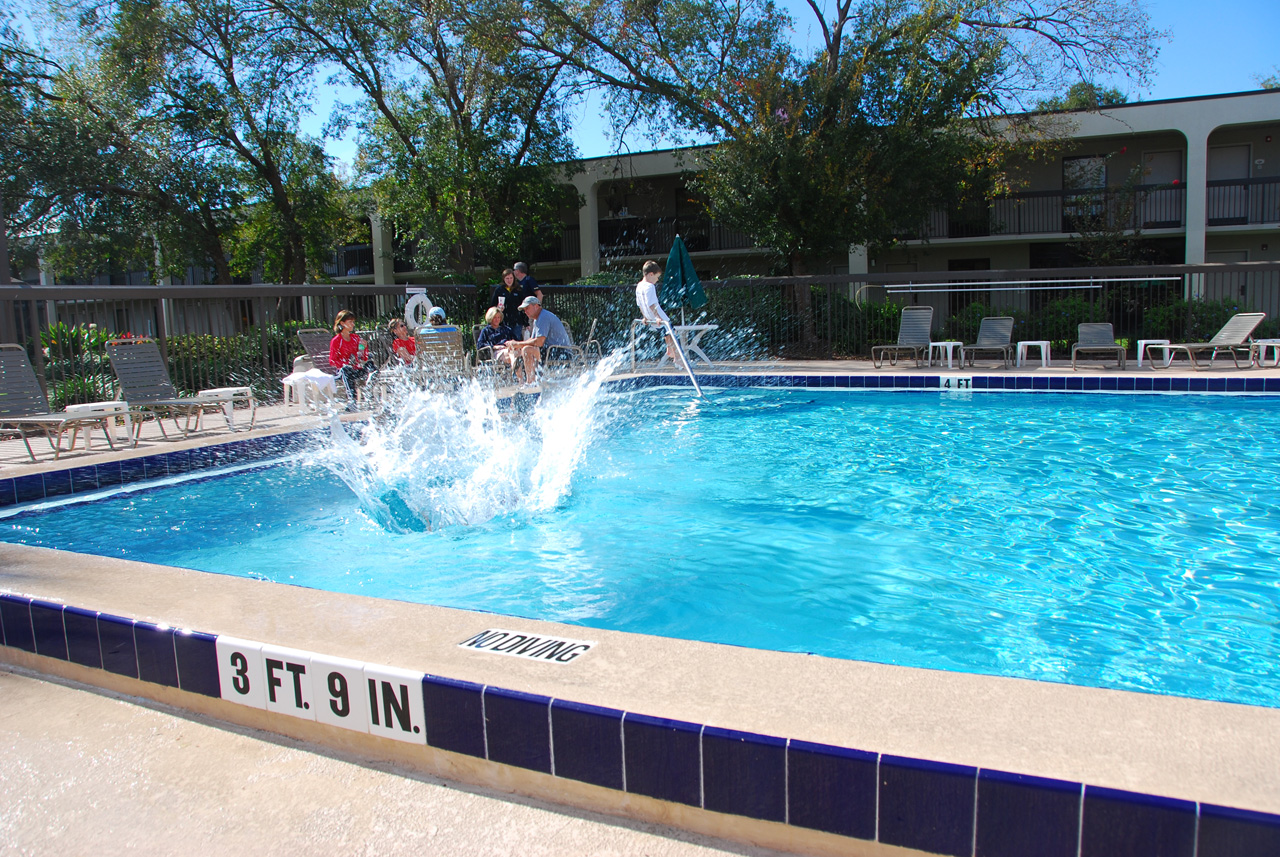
<point>529,287</point>
<point>650,309</point>
<point>506,296</point>
<point>347,354</point>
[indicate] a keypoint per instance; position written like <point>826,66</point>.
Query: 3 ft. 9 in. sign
<point>349,694</point>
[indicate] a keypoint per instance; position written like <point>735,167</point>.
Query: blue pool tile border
<point>932,806</point>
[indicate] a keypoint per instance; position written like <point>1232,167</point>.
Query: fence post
<point>38,350</point>
<point>262,335</point>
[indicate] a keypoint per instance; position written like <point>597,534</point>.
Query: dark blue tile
<point>1136,825</point>
<point>588,743</point>
<point>744,774</point>
<point>197,656</point>
<point>1180,385</point>
<point>109,474</point>
<point>832,789</point>
<point>16,612</point>
<point>1092,383</point>
<point>119,654</point>
<point>1227,832</point>
<point>1144,384</point>
<point>82,637</point>
<point>901,382</point>
<point>933,382</point>
<point>29,489</point>
<point>812,381</point>
<point>1074,383</point>
<point>1198,385</point>
<point>980,382</point>
<point>1126,384</point>
<point>1254,385</point>
<point>828,380</point>
<point>1022,816</point>
<point>1039,382</point>
<point>1107,384</point>
<point>156,662</point>
<point>518,728</point>
<point>842,381</point>
<point>47,630</point>
<point>662,759</point>
<point>178,461</point>
<point>927,805</point>
<point>7,495</point>
<point>1162,384</point>
<point>156,466</point>
<point>917,382</point>
<point>133,470</point>
<point>1235,385</point>
<point>1058,383</point>
<point>455,715</point>
<point>57,483</point>
<point>1271,385</point>
<point>84,479</point>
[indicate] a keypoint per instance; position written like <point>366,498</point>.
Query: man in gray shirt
<point>544,329</point>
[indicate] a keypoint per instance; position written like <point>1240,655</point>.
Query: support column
<point>1197,192</point>
<point>588,226</point>
<point>857,265</point>
<point>384,268</point>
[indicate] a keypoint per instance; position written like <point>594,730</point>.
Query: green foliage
<point>81,389</point>
<point>1084,95</point>
<point>1188,321</point>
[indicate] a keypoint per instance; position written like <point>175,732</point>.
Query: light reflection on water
<point>1117,541</point>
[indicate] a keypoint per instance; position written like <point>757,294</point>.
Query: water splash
<point>450,455</point>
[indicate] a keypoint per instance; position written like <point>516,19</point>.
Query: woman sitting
<point>403,344</point>
<point>499,338</point>
<point>347,354</point>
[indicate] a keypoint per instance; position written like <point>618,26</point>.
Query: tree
<point>1270,82</point>
<point>463,134</point>
<point>225,83</point>
<point>889,117</point>
<point>1084,96</point>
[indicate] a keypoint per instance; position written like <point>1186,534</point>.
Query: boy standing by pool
<point>647,300</point>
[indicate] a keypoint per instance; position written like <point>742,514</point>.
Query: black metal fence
<point>244,335</point>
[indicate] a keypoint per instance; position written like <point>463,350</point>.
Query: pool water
<point>1114,541</point>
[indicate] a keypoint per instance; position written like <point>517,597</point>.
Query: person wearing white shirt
<point>647,300</point>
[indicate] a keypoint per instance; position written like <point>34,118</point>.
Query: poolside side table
<point>237,394</point>
<point>947,346</point>
<point>114,408</point>
<point>1042,344</point>
<point>1260,348</point>
<point>1142,347</point>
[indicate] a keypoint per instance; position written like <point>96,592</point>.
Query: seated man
<point>545,330</point>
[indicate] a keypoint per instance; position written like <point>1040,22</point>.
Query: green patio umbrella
<point>680,284</point>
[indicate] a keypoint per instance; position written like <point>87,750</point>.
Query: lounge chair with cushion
<point>1097,338</point>
<point>145,385</point>
<point>994,335</point>
<point>24,409</point>
<point>1233,338</point>
<point>914,333</point>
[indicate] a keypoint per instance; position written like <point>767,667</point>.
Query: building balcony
<point>1242,202</point>
<point>623,237</point>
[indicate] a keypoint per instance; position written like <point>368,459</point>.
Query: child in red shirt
<point>347,354</point>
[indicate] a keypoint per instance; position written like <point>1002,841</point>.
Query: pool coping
<point>945,754</point>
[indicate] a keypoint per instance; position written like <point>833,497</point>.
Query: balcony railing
<point>622,237</point>
<point>1058,211</point>
<point>353,260</point>
<point>1237,202</point>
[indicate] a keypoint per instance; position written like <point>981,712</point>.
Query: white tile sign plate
<point>240,674</point>
<point>556,650</point>
<point>396,709</point>
<point>957,383</point>
<point>337,686</point>
<point>288,681</point>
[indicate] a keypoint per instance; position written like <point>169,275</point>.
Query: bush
<point>1187,321</point>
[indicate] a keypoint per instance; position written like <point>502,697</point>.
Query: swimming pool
<point>1117,541</point>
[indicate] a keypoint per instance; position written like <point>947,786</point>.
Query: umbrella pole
<point>675,343</point>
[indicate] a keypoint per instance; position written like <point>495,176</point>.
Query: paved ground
<point>111,775</point>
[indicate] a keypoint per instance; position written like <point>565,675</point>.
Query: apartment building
<point>1197,178</point>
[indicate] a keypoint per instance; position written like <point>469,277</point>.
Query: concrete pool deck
<point>1184,749</point>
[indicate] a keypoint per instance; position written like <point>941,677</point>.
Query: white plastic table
<point>241,394</point>
<point>687,335</point>
<point>1042,344</point>
<point>115,407</point>
<point>1260,348</point>
<point>1142,347</point>
<point>948,346</point>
